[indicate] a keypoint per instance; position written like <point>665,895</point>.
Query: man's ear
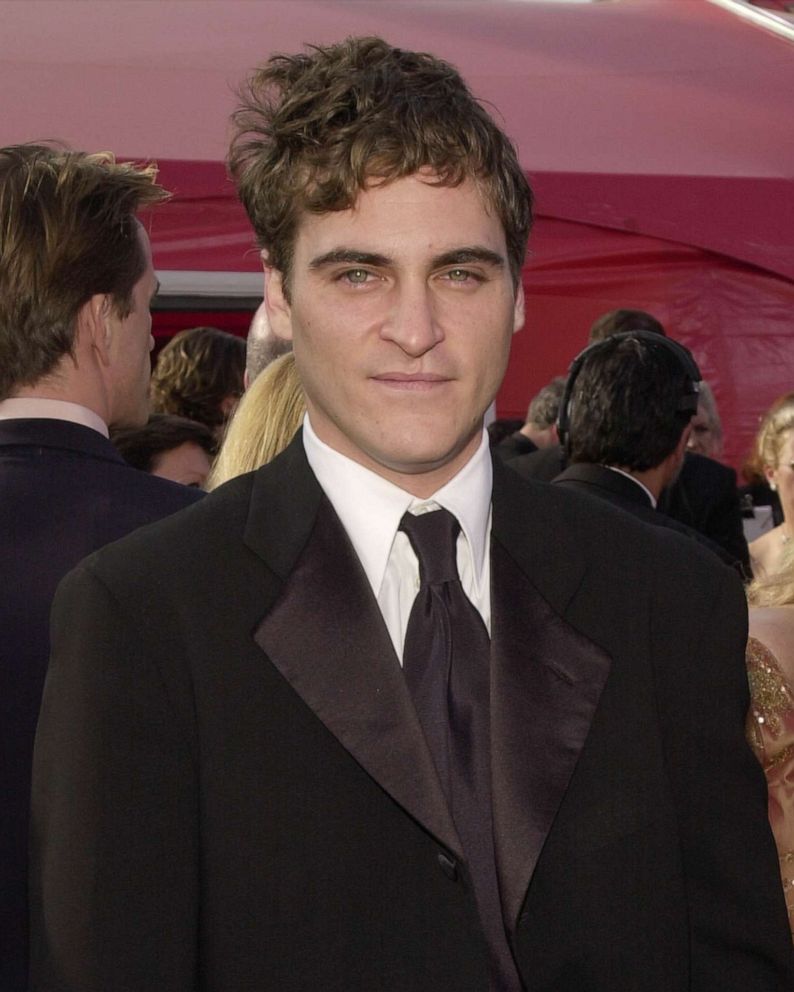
<point>519,309</point>
<point>279,312</point>
<point>95,325</point>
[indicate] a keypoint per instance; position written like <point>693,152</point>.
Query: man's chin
<point>412,459</point>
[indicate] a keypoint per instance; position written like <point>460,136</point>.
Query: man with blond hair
<point>76,280</point>
<point>382,716</point>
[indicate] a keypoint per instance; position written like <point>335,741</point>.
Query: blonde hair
<point>777,421</point>
<point>264,423</point>
<point>776,589</point>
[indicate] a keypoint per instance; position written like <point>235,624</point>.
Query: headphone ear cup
<point>564,414</point>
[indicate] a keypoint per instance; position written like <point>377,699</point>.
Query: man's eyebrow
<point>350,256</point>
<point>469,254</point>
<point>456,256</point>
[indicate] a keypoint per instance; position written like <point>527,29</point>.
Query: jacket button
<point>448,865</point>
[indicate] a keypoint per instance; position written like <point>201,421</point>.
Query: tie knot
<point>434,537</point>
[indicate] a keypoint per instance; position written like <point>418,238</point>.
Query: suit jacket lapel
<point>326,636</point>
<point>546,678</point>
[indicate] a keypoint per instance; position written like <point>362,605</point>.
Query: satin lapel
<point>326,636</point>
<point>546,680</point>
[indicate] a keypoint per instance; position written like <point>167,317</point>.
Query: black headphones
<point>688,403</point>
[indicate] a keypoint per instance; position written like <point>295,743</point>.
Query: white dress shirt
<point>371,508</point>
<point>34,408</point>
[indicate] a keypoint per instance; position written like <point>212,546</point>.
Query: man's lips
<point>416,381</point>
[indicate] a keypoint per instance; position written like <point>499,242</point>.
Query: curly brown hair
<point>67,232</point>
<point>315,129</point>
<point>195,372</point>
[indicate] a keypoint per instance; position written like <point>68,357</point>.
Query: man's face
<point>703,439</point>
<point>131,343</point>
<point>401,312</point>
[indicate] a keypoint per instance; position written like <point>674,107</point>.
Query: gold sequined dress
<point>770,731</point>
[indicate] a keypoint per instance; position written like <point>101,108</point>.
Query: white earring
<point>773,486</point>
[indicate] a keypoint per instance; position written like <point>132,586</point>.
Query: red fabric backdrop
<point>735,315</point>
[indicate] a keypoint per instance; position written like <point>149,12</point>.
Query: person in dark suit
<point>75,283</point>
<point>625,423</point>
<point>402,720</point>
<point>540,429</point>
<point>704,496</point>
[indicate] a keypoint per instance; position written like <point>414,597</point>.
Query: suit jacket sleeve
<point>114,846</point>
<point>737,910</point>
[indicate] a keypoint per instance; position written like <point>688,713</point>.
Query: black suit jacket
<point>232,791</point>
<point>704,497</point>
<point>603,483</point>
<point>64,492</point>
<point>513,446</point>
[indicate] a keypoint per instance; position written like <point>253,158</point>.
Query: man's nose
<point>412,323</point>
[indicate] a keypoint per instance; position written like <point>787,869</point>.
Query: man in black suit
<point>76,279</point>
<point>263,779</point>
<point>625,424</point>
<point>704,495</point>
<point>540,429</point>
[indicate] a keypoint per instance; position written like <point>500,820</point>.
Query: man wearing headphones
<point>703,497</point>
<point>625,419</point>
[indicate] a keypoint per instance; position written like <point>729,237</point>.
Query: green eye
<point>458,275</point>
<point>357,275</point>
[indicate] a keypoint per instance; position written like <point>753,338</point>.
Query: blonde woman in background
<point>770,723</point>
<point>264,423</point>
<point>774,453</point>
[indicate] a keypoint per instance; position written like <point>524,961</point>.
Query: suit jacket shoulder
<point>544,464</point>
<point>603,483</point>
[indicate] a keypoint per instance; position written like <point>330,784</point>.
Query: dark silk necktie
<point>446,660</point>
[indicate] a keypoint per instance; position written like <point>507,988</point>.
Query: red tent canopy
<point>657,134</point>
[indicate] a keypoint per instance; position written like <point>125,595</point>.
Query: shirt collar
<point>636,481</point>
<point>35,408</point>
<point>370,507</point>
